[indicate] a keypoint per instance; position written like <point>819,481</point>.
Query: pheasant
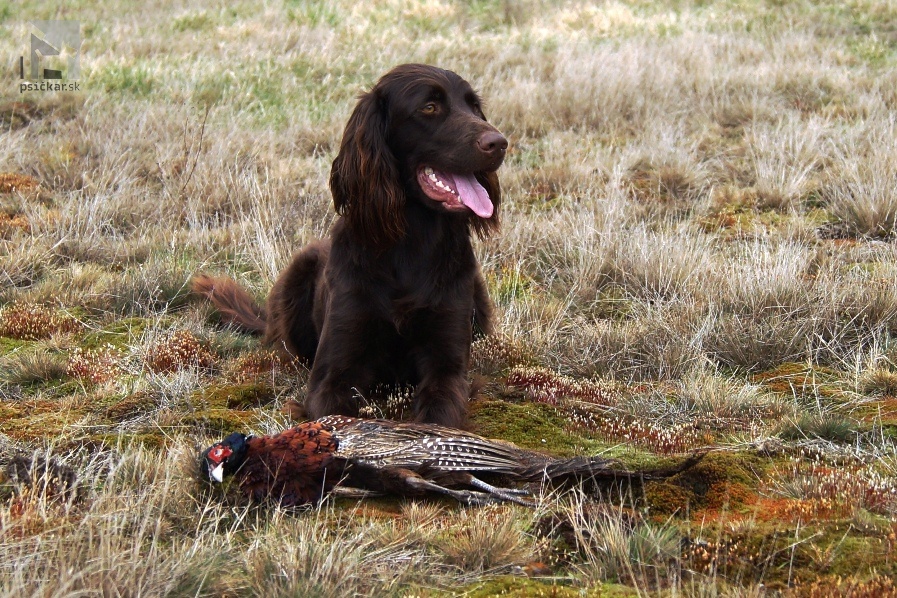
<point>305,463</point>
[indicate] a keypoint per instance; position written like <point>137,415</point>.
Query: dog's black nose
<point>492,143</point>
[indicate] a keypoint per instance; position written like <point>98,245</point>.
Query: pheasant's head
<point>225,457</point>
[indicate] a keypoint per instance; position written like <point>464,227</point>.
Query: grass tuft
<point>33,367</point>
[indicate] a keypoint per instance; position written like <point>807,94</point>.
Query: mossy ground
<point>740,511</point>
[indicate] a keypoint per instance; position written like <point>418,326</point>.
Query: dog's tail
<point>232,300</point>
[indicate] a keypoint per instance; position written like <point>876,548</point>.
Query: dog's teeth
<point>437,182</point>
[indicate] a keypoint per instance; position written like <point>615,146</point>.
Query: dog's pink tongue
<point>473,195</point>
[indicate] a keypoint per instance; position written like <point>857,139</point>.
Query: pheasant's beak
<point>217,473</point>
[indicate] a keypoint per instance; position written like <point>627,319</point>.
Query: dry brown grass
<point>696,194</point>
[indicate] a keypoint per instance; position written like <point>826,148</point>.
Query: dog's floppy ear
<point>364,179</point>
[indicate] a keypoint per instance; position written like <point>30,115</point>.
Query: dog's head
<point>419,135</point>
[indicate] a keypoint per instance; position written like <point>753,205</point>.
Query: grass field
<point>698,249</point>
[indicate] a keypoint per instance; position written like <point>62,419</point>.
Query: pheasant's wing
<point>465,453</point>
<point>384,443</point>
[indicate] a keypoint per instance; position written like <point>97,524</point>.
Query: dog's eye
<point>430,108</point>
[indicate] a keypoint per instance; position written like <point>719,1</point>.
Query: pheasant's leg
<point>508,494</point>
<point>468,497</point>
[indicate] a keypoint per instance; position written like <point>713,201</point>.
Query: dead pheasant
<point>303,464</point>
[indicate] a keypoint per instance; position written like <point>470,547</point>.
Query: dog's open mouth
<point>455,191</point>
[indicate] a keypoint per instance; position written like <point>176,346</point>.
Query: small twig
<point>202,131</point>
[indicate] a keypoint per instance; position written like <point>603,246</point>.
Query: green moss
<point>720,479</point>
<point>216,421</point>
<point>123,408</point>
<point>237,396</point>
<point>803,554</point>
<point>663,498</point>
<point>530,425</point>
<point>634,457</point>
<point>8,345</point>
<point>851,555</point>
<point>118,334</point>
<point>523,587</point>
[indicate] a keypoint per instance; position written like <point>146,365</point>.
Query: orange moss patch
<point>665,499</point>
<point>9,410</point>
<point>180,350</point>
<point>719,481</point>
<point>845,243</point>
<point>715,222</point>
<point>884,410</point>
<point>30,322</point>
<point>8,222</point>
<point>10,182</point>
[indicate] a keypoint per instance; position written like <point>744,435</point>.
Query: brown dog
<point>393,295</point>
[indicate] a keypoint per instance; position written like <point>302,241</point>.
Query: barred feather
<point>385,443</point>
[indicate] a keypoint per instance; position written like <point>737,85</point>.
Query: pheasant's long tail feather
<point>600,468</point>
<point>586,467</point>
